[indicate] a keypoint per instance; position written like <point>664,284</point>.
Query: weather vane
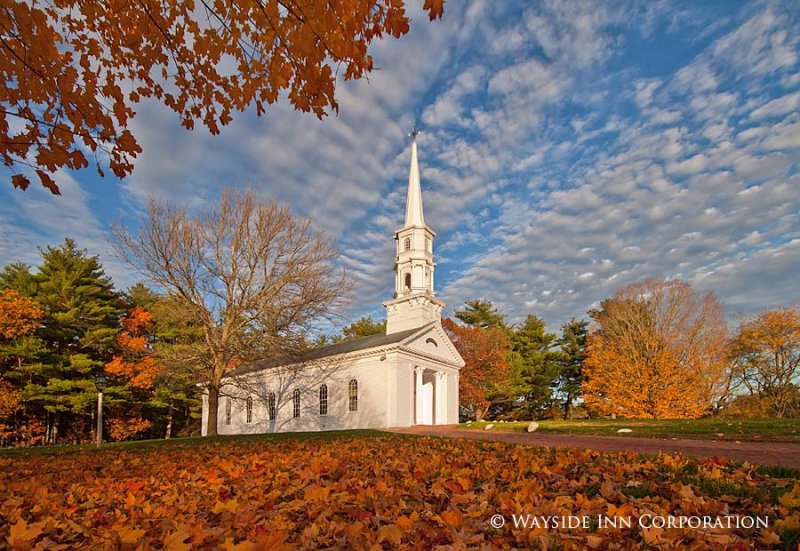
<point>414,133</point>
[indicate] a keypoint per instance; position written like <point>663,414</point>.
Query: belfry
<point>414,303</point>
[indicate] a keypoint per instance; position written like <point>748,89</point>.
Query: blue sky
<point>569,148</point>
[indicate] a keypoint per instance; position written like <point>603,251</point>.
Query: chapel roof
<point>356,345</point>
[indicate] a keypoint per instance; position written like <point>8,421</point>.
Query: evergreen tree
<point>81,313</point>
<point>572,348</point>
<point>480,313</point>
<point>534,366</point>
<point>18,276</point>
<point>363,327</point>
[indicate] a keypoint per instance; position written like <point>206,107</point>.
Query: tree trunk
<point>213,406</point>
<point>480,413</point>
<point>567,404</point>
<point>168,433</point>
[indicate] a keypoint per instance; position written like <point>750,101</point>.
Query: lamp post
<point>100,383</point>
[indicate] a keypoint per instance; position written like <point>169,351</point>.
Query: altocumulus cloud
<point>568,149</point>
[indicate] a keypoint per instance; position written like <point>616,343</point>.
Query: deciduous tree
<point>765,354</point>
<point>250,274</point>
<point>484,379</point>
<point>658,351</point>
<point>74,70</point>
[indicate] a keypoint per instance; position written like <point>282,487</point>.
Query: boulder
<point>533,426</point>
<point>490,426</point>
<point>625,430</point>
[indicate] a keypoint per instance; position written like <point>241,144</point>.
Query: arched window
<point>407,244</point>
<point>228,407</point>
<point>296,403</point>
<point>249,409</point>
<point>353,395</point>
<point>408,282</point>
<point>271,406</point>
<point>323,400</point>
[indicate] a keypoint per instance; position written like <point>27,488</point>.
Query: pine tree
<point>480,313</point>
<point>79,327</point>
<point>363,327</point>
<point>18,276</point>
<point>534,365</point>
<point>572,348</point>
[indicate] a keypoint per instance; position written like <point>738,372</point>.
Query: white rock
<point>719,434</point>
<point>624,430</point>
<point>533,426</point>
<point>490,426</point>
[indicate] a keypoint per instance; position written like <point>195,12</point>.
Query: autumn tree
<point>253,276</point>
<point>19,317</point>
<point>658,351</point>
<point>571,357</point>
<point>178,346</point>
<point>484,379</point>
<point>765,355</point>
<point>75,70</point>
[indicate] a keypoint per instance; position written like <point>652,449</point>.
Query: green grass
<point>722,429</point>
<point>149,445</point>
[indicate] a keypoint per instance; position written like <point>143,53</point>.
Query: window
<point>296,403</point>
<point>353,396</point>
<point>408,282</point>
<point>228,411</point>
<point>323,400</point>
<point>433,342</point>
<point>271,406</point>
<point>249,410</point>
<point>407,244</point>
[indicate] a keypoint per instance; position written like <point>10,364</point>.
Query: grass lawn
<point>177,443</point>
<point>367,489</point>
<point>775,430</point>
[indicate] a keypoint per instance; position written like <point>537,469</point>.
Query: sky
<point>568,149</point>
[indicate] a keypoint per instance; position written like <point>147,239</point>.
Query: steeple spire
<point>414,303</point>
<point>414,216</point>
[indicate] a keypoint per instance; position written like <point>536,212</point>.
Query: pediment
<point>433,342</point>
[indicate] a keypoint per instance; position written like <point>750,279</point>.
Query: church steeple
<point>414,215</point>
<point>414,304</point>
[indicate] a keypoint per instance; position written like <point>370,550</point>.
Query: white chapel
<point>409,376</point>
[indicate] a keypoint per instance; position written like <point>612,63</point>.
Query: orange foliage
<point>658,351</point>
<point>766,358</point>
<point>122,429</point>
<point>19,315</point>
<point>375,493</point>
<point>10,402</point>
<point>134,365</point>
<point>73,70</point>
<point>486,371</point>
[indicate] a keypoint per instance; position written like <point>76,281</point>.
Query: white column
<point>418,395</point>
<point>441,399</point>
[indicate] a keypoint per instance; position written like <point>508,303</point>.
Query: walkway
<point>772,453</point>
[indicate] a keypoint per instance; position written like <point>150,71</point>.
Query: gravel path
<point>772,453</point>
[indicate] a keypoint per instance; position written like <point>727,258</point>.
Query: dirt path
<point>771,453</point>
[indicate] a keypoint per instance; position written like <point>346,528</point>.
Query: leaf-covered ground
<point>356,493</point>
